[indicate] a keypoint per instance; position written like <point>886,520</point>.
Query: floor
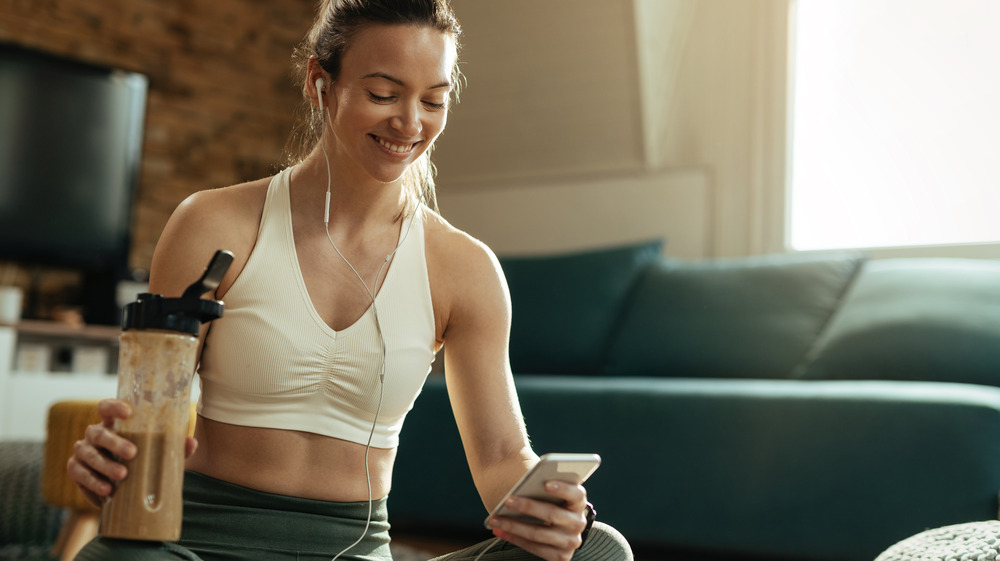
<point>435,545</point>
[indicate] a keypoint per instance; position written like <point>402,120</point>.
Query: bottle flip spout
<point>184,314</point>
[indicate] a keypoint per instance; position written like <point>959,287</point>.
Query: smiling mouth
<point>397,148</point>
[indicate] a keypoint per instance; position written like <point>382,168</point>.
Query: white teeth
<point>395,148</point>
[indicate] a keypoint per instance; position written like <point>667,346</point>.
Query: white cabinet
<point>59,363</point>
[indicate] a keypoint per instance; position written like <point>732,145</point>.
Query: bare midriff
<point>294,463</point>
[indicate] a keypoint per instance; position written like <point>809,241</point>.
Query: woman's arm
<point>483,397</point>
<point>202,224</point>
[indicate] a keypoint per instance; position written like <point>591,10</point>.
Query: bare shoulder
<point>455,253</point>
<point>223,208</point>
<point>224,218</point>
<point>465,275</point>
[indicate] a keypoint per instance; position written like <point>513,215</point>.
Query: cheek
<point>355,110</point>
<point>437,123</point>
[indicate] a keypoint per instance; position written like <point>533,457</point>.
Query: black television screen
<point>70,146</point>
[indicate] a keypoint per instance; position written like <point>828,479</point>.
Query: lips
<point>393,147</point>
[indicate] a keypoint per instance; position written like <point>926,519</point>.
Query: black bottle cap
<point>184,314</point>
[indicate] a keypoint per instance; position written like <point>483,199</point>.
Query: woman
<point>345,285</point>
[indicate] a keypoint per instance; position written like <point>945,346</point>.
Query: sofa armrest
<point>813,470</point>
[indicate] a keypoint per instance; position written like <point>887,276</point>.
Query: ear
<point>317,79</point>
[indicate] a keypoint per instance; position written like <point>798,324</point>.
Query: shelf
<point>106,333</point>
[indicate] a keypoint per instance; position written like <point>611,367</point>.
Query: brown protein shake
<point>154,376</point>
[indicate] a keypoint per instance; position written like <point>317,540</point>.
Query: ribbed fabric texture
<point>271,361</point>
<point>603,544</point>
<point>227,522</point>
<point>222,519</point>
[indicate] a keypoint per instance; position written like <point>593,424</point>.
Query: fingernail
<point>552,485</point>
<point>512,501</point>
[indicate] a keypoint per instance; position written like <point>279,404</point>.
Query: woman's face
<point>390,101</point>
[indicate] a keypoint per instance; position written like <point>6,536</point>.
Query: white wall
<point>727,114</point>
<point>552,91</point>
<point>591,101</point>
<point>589,213</point>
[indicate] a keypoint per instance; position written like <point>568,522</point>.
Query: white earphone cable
<point>489,547</point>
<point>378,327</point>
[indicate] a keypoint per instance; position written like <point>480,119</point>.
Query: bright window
<point>895,123</point>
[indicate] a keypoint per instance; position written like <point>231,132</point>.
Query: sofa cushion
<point>565,307</point>
<point>28,526</point>
<point>915,319</point>
<point>731,318</point>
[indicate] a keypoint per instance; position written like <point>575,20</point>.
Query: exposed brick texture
<point>221,98</point>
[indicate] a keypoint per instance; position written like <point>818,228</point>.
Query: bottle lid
<point>184,314</point>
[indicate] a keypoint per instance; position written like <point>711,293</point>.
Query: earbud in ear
<point>319,91</point>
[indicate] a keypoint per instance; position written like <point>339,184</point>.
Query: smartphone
<point>571,468</point>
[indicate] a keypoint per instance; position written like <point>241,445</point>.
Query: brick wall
<point>221,99</point>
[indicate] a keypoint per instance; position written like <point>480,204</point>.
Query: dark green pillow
<point>565,307</point>
<point>915,319</point>
<point>752,317</point>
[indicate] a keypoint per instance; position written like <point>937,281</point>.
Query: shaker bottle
<point>156,364</point>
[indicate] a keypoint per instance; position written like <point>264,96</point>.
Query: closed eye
<point>379,99</point>
<point>433,105</point>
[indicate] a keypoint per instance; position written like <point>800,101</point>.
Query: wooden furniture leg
<point>80,528</point>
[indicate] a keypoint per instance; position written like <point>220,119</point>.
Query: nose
<point>407,121</point>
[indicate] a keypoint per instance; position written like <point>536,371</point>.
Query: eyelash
<point>380,99</point>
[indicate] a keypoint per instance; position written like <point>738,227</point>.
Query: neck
<point>354,198</point>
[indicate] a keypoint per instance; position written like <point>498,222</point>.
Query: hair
<point>337,23</point>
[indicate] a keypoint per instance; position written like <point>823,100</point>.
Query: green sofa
<point>807,406</point>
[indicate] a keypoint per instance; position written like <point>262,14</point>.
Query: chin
<point>388,177</point>
<point>389,174</point>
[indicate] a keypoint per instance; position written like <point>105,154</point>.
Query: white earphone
<point>319,91</point>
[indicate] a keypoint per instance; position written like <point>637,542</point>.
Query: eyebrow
<point>397,81</point>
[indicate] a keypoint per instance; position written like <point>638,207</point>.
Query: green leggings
<point>227,522</point>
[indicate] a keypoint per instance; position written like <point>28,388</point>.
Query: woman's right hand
<point>93,466</point>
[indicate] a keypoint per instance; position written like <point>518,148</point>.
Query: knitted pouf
<point>974,541</point>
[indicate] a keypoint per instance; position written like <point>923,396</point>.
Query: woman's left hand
<point>559,537</point>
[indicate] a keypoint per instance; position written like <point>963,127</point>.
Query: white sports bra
<point>271,361</point>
